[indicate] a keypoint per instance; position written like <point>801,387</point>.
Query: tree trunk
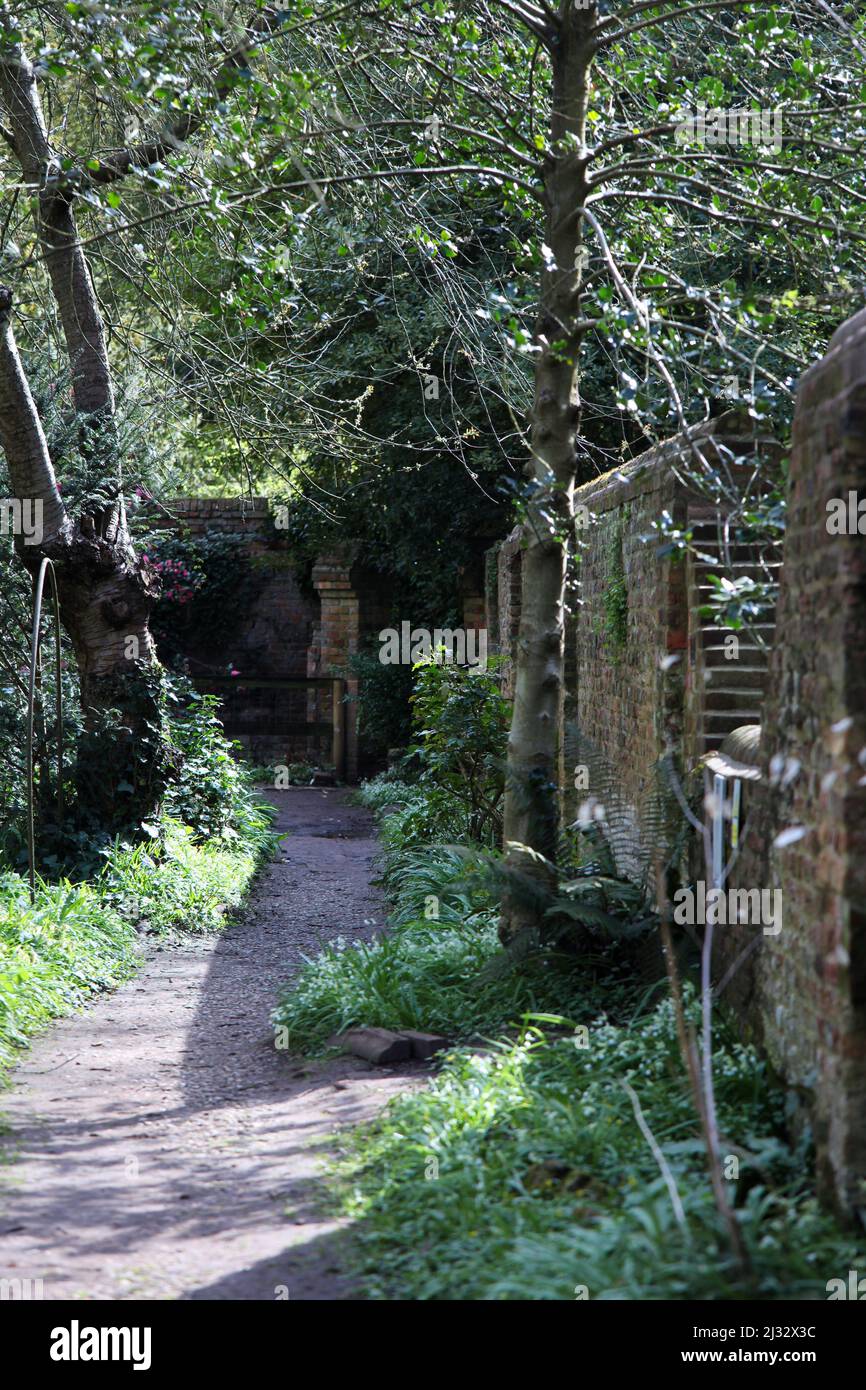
<point>105,599</point>
<point>105,592</point>
<point>531,797</point>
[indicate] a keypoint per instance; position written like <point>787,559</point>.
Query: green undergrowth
<point>178,883</point>
<point>520,1172</point>
<point>439,968</point>
<point>81,939</point>
<point>55,954</point>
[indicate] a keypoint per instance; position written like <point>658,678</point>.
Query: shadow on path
<point>162,1146</point>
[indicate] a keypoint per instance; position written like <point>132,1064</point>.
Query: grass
<point>177,884</point>
<point>80,939</point>
<point>520,1173</point>
<point>444,972</point>
<point>416,816</point>
<point>54,955</point>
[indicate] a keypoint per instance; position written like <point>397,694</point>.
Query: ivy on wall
<point>209,583</point>
<point>616,591</point>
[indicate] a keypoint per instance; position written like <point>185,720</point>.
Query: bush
<point>208,586</point>
<point>211,792</point>
<point>416,814</point>
<point>461,722</point>
<point>175,883</point>
<point>384,718</point>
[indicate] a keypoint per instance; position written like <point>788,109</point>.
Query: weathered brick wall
<point>811,977</point>
<point>354,606</point>
<point>629,671</point>
<point>200,514</point>
<point>271,641</point>
<point>632,689</point>
<point>503,616</point>
<point>628,617</point>
<point>630,667</point>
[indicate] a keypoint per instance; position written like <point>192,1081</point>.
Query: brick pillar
<point>339,637</point>
<point>812,975</point>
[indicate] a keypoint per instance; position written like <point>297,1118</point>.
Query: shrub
<point>461,721</point>
<point>384,719</point>
<point>208,585</point>
<point>211,791</point>
<point>175,883</point>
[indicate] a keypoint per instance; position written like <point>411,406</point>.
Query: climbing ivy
<point>616,591</point>
<point>208,586</point>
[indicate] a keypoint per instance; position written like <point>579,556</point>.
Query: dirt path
<point>161,1146</point>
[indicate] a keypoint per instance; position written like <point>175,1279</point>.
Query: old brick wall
<point>628,617</point>
<point>638,663</point>
<point>271,642</point>
<point>634,684</point>
<point>811,977</point>
<point>503,583</point>
<point>355,605</point>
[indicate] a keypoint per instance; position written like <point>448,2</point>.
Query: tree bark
<point>531,797</point>
<point>105,592</point>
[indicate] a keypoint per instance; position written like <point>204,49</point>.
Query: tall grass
<point>80,939</point>
<point>523,1170</point>
<point>439,968</point>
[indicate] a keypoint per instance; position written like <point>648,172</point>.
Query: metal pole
<point>719,786</point>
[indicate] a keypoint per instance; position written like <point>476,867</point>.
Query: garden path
<point>158,1145</point>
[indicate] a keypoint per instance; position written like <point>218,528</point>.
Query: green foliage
<point>176,884</point>
<point>209,586</point>
<point>79,939</point>
<point>212,792</point>
<point>440,967</point>
<point>54,954</point>
<point>417,814</point>
<point>461,721</point>
<point>520,1173</point>
<point>384,719</point>
<point>616,592</point>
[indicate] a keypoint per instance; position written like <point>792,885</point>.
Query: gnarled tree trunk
<point>105,592</point>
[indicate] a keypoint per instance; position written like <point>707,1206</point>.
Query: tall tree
<point>106,590</point>
<point>694,164</point>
